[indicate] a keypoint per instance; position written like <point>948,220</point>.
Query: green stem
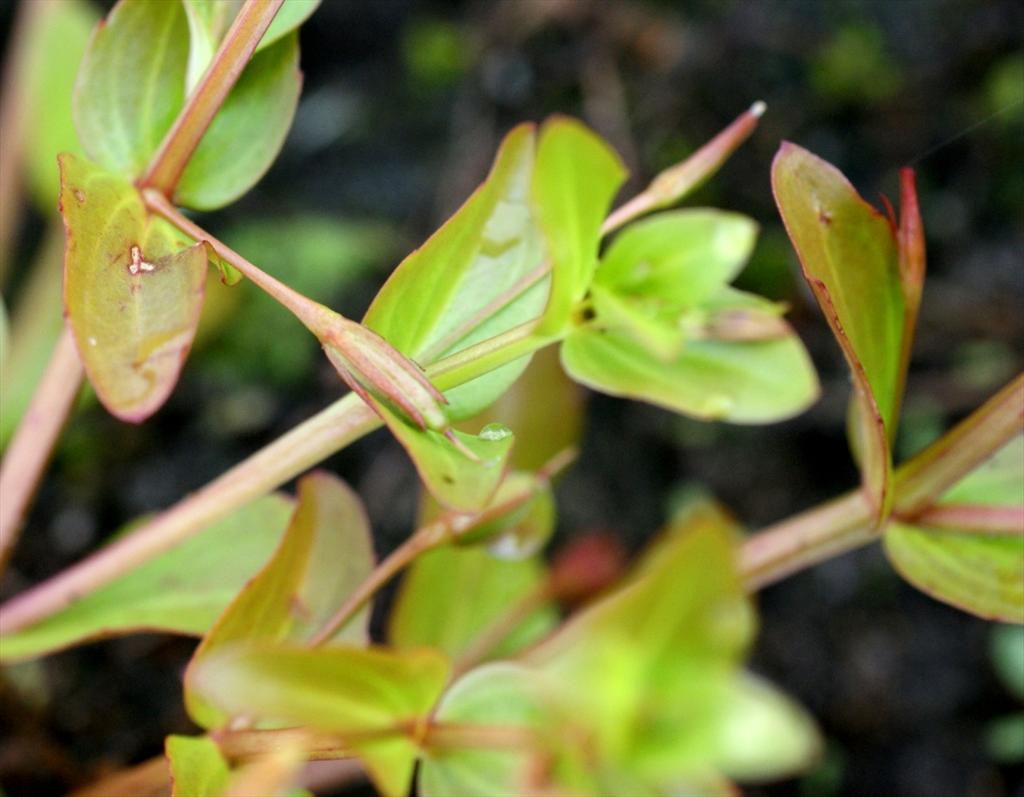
<point>228,62</point>
<point>487,355</point>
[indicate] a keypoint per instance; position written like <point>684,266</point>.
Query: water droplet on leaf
<point>495,432</point>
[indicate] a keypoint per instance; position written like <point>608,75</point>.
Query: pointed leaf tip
<point>850,256</point>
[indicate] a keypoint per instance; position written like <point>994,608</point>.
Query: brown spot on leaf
<point>80,196</point>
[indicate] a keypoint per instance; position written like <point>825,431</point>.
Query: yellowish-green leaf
<point>518,521</point>
<point>482,257</point>
<point>181,591</point>
<point>978,573</point>
<point>662,267</point>
<point>648,675</point>
<point>762,734</point>
<point>679,258</point>
<point>742,381</point>
<point>504,695</point>
<point>849,255</point>
<point>133,289</point>
<point>646,668</point>
<point>197,767</point>
<point>324,555</point>
<point>131,84</point>
<point>544,407</point>
<point>456,480</point>
<point>575,179</point>
<point>270,775</point>
<point>973,570</point>
<point>453,595</point>
<point>374,699</point>
<point>54,44</point>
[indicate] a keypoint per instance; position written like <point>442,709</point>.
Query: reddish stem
<point>33,442</point>
<point>239,43</point>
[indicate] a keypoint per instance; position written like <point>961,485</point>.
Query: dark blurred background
<point>403,106</point>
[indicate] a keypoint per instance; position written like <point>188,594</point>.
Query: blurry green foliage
<point>1007,645</point>
<point>854,66</point>
<point>826,779</point>
<point>435,52</point>
<point>316,255</point>
<point>1004,90</point>
<point>57,41</point>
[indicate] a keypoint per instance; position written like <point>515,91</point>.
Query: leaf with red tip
<point>849,254</point>
<point>133,290</point>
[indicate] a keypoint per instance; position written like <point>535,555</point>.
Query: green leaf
<point>516,523</point>
<point>660,268</point>
<point>127,97</point>
<point>325,554</point>
<point>247,132</point>
<point>1004,739</point>
<point>645,670</point>
<point>502,694</point>
<point>453,478</point>
<point>131,84</point>
<point>974,571</point>
<point>849,254</point>
<point>181,591</point>
<point>762,734</point>
<point>742,381</point>
<point>197,767</point>
<point>677,260</point>
<point>374,699</point>
<point>133,290</point>
<point>289,17</point>
<point>453,595</point>
<point>431,305</point>
<point>544,407</point>
<point>209,20</point>
<point>54,44</point>
<point>575,179</point>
